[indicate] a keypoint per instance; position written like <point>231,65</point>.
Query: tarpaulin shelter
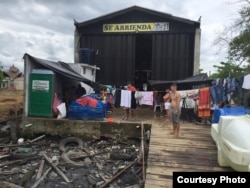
<point>64,77</point>
<point>59,67</point>
<point>188,83</point>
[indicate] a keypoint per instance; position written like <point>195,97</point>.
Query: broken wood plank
<point>8,184</point>
<point>41,178</point>
<point>9,172</point>
<point>21,145</point>
<point>38,138</point>
<point>28,175</point>
<point>119,156</point>
<point>56,168</point>
<point>142,152</point>
<point>18,161</point>
<point>137,171</point>
<point>4,156</point>
<point>118,174</point>
<point>40,170</point>
<point>89,155</point>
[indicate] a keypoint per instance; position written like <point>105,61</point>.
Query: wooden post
<point>142,151</point>
<point>27,176</point>
<point>40,170</point>
<point>8,184</point>
<point>38,138</point>
<point>42,178</point>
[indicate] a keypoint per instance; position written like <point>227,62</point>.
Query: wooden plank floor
<point>194,150</point>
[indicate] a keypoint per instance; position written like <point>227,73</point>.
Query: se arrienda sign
<point>136,27</point>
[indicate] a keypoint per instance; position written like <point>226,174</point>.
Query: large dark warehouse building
<point>138,44</point>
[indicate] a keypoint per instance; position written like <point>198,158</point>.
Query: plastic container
<point>87,55</point>
<point>232,137</point>
<point>78,112</point>
<point>248,111</point>
<point>227,111</point>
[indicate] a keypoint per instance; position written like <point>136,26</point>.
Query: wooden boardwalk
<point>194,150</point>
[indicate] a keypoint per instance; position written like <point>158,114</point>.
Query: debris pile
<point>69,162</point>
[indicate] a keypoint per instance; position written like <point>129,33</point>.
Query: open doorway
<point>143,59</point>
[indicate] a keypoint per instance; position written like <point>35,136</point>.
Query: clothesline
<point>143,97</point>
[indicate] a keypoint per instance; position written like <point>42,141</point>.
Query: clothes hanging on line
<point>193,93</point>
<point>117,98</point>
<point>204,103</point>
<point>133,104</point>
<point>126,99</point>
<point>146,97</point>
<point>183,93</point>
<point>230,85</point>
<point>138,97</point>
<point>246,82</point>
<point>217,92</point>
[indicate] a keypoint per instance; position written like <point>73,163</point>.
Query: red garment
<point>56,103</point>
<point>204,102</point>
<point>84,101</point>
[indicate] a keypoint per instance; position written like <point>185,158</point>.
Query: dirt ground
<point>11,103</point>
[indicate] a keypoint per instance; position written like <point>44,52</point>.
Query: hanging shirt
<point>246,82</point>
<point>216,93</point>
<point>193,93</point>
<point>146,98</point>
<point>183,93</point>
<point>126,99</point>
<point>117,98</point>
<point>204,102</point>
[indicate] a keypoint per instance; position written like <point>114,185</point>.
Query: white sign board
<point>40,85</point>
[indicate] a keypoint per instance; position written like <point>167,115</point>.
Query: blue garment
<point>231,85</point>
<point>217,93</point>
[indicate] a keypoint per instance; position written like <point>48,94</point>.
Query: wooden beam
<point>56,168</point>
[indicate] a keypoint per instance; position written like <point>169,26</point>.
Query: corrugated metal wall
<point>115,58</point>
<point>172,56</point>
<point>122,55</point>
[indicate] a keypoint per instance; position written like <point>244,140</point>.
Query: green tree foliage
<point>239,46</point>
<point>228,69</point>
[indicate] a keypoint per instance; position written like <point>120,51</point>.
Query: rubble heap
<point>72,162</point>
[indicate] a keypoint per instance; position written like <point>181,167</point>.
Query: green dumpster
<point>41,93</point>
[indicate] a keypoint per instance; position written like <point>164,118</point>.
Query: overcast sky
<point>45,29</point>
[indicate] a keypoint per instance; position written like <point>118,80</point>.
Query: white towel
<point>194,93</point>
<point>126,99</point>
<point>147,98</point>
<point>246,82</point>
<point>183,93</point>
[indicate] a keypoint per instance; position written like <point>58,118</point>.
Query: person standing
<point>131,88</point>
<point>103,95</point>
<point>80,91</point>
<point>167,104</point>
<point>155,97</point>
<point>175,109</point>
